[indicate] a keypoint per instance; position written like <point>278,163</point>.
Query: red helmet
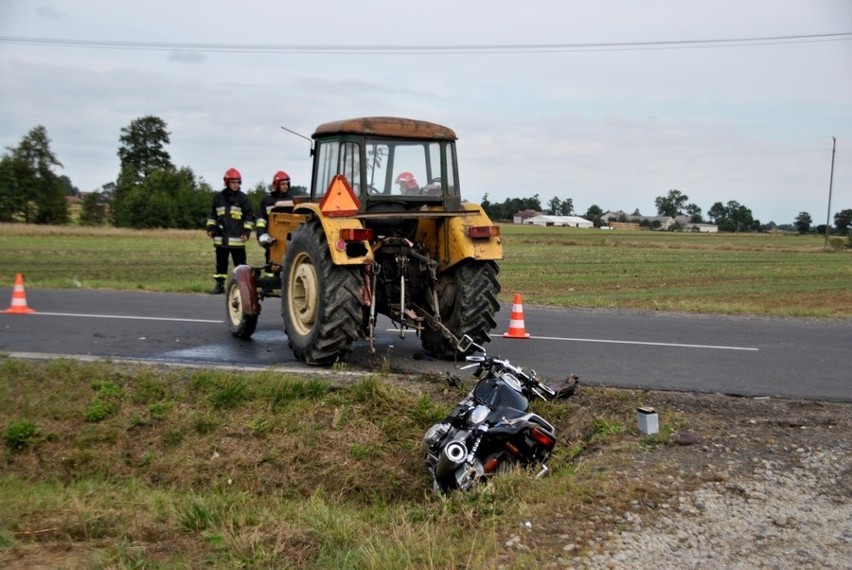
<point>408,180</point>
<point>279,177</point>
<point>232,174</point>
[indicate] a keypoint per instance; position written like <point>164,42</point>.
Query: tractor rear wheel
<point>467,296</point>
<point>320,301</point>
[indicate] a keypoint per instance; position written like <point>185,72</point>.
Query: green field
<point>767,274</point>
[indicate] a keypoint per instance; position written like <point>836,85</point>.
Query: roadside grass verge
<point>270,470</point>
<point>769,274</point>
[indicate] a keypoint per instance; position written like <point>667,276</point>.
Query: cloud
<point>50,13</point>
<point>187,57</point>
<point>612,128</point>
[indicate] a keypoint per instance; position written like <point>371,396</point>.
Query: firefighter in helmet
<point>229,224</point>
<point>280,191</point>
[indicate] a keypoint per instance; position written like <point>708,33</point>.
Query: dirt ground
<point>729,434</point>
<point>710,438</point>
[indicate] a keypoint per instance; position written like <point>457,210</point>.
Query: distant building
<point>615,216</point>
<point>703,228</point>
<point>561,221</point>
<point>655,222</point>
<point>519,217</point>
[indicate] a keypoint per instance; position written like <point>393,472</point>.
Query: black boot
<point>219,289</point>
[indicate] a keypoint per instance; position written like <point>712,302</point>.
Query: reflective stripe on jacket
<point>266,206</point>
<point>231,216</point>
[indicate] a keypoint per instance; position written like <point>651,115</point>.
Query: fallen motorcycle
<point>492,429</point>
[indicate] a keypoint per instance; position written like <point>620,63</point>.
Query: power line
<point>331,49</point>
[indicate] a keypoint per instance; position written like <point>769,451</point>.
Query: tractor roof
<point>386,127</point>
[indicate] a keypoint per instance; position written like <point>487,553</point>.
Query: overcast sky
<point>637,112</point>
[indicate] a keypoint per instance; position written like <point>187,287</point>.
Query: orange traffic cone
<point>516,320</point>
<point>19,298</point>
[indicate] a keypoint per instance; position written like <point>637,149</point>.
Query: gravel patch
<point>780,518</point>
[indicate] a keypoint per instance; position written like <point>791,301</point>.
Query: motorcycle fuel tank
<point>495,393</point>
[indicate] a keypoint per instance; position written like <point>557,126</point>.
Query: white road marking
<point>673,344</point>
<point>129,317</point>
<point>679,345</point>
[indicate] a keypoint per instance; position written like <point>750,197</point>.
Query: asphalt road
<point>749,356</point>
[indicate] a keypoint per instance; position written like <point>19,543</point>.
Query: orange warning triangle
<point>339,199</point>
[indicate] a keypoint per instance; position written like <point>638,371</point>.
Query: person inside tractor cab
<point>407,184</point>
<point>280,191</point>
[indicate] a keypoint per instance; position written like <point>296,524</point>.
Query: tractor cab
<point>391,164</point>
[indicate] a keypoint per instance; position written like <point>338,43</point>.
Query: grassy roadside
<point>768,274</point>
<point>140,467</point>
<point>128,467</point>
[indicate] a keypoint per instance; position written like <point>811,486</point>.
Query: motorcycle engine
<point>436,434</point>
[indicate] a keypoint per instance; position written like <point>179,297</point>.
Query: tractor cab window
<point>408,169</point>
<point>350,165</point>
<point>335,157</point>
<point>326,164</point>
<point>450,162</point>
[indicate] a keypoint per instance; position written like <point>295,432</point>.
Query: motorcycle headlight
<point>479,413</point>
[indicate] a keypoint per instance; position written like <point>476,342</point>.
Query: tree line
<point>151,192</point>
<point>29,189</point>
<point>842,222</point>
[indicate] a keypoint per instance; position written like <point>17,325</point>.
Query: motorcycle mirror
<point>466,343</point>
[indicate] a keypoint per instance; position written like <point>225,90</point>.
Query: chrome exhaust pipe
<point>451,457</point>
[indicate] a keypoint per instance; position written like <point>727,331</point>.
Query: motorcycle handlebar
<point>486,362</point>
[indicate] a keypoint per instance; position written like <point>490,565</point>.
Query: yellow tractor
<point>383,231</point>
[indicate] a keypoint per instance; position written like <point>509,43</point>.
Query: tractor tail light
<point>356,234</point>
<point>483,232</point>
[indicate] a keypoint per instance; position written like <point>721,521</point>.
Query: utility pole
<point>830,184</point>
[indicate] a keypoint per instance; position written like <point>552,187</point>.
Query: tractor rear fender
<point>449,240</point>
<point>244,276</point>
<point>282,223</point>
<point>342,252</point>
